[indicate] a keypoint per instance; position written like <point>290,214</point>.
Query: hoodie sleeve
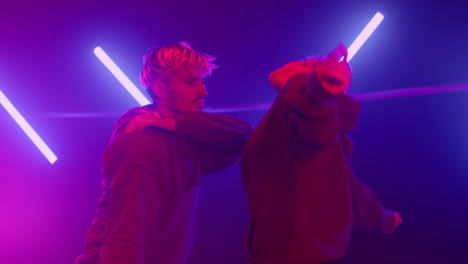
<point>133,203</point>
<point>221,138</point>
<point>368,212</point>
<point>220,131</point>
<point>313,110</point>
<point>312,88</point>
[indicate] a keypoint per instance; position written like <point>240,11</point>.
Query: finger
<point>335,54</point>
<point>343,49</point>
<point>399,219</point>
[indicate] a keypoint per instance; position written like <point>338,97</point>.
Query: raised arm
<point>312,90</point>
<point>313,111</point>
<point>221,138</point>
<point>221,131</point>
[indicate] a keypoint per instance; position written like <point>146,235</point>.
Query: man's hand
<point>333,72</point>
<point>148,118</point>
<point>391,220</point>
<point>339,54</point>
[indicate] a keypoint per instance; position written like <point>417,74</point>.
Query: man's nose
<point>202,90</point>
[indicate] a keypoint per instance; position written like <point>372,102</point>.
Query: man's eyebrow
<point>203,78</point>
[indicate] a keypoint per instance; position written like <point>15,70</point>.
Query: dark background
<point>411,150</point>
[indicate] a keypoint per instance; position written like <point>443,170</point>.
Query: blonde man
<point>155,160</point>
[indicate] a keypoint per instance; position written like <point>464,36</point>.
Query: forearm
<point>368,212</point>
<point>222,131</point>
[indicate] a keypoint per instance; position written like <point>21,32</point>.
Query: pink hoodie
<point>303,198</point>
<point>150,181</point>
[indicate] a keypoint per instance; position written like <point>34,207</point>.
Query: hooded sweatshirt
<point>302,196</point>
<point>151,180</point>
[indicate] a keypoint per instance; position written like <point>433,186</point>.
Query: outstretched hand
<point>339,54</point>
<point>391,220</point>
<point>146,118</point>
<point>334,72</point>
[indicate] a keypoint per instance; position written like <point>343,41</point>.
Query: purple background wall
<point>411,151</point>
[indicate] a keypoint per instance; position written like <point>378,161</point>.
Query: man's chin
<point>197,108</point>
<point>188,111</point>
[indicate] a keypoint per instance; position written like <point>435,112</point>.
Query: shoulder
<point>126,118</point>
<point>148,148</point>
<point>148,140</point>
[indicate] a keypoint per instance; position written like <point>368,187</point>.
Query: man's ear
<point>159,89</point>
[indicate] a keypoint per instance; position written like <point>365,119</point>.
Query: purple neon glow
<point>380,95</point>
<point>121,77</point>
<point>35,138</point>
<point>364,35</point>
<point>408,92</point>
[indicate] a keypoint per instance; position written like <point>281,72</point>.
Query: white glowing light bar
<point>40,144</point>
<point>364,35</point>
<point>121,77</point>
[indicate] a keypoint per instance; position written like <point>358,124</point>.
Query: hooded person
<point>303,198</point>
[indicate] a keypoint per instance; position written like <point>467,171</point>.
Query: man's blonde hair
<point>159,63</point>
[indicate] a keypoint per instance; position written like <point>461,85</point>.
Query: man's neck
<point>162,108</point>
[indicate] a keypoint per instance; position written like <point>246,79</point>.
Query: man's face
<point>186,92</point>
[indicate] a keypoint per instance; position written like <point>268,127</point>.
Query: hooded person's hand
<point>391,220</point>
<point>146,118</point>
<point>333,71</point>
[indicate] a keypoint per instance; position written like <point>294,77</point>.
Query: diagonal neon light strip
<point>121,77</point>
<point>364,35</point>
<point>40,144</point>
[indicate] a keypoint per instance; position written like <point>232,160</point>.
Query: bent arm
<point>219,131</point>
